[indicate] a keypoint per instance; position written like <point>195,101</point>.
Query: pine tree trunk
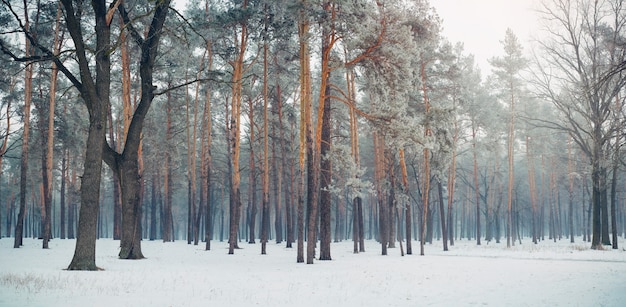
<point>476,185</point>
<point>281,173</point>
<point>277,183</point>
<point>570,175</point>
<point>28,89</point>
<point>153,207</point>
<point>48,156</point>
<point>613,203</point>
<point>407,214</point>
<point>509,213</point>
<point>71,208</point>
<point>62,192</point>
<point>325,179</point>
<point>252,195</point>
<point>235,134</point>
<point>322,168</point>
<point>426,189</point>
<point>265,219</point>
<point>442,215</point>
<point>391,200</point>
<point>208,219</point>
<point>306,152</point>
<point>167,225</point>
<point>532,190</point>
<point>378,178</point>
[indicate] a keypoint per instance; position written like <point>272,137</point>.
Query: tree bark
<point>235,134</point>
<point>476,186</point>
<point>252,195</point>
<point>28,90</point>
<point>378,177</point>
<point>208,224</point>
<point>167,225</point>
<point>305,144</point>
<point>127,165</point>
<point>426,189</point>
<point>265,218</point>
<point>95,94</point>
<point>323,140</point>
<point>442,215</point>
<point>405,185</point>
<point>532,190</point>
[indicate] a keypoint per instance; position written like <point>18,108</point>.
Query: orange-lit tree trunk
<point>49,153</point>
<point>241,42</point>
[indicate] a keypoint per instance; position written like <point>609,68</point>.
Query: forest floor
<point>177,274</point>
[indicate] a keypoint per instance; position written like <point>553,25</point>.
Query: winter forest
<point>307,123</point>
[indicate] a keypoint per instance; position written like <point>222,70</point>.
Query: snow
<point>177,274</point>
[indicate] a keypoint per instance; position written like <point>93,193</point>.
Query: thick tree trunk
<point>96,97</point>
<point>130,245</point>
<point>323,140</point>
<point>325,180</point>
<point>598,193</point>
<point>127,165</point>
<point>85,251</point>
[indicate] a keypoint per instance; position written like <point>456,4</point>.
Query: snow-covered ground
<point>177,274</point>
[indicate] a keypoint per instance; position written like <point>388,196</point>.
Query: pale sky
<point>481,25</point>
